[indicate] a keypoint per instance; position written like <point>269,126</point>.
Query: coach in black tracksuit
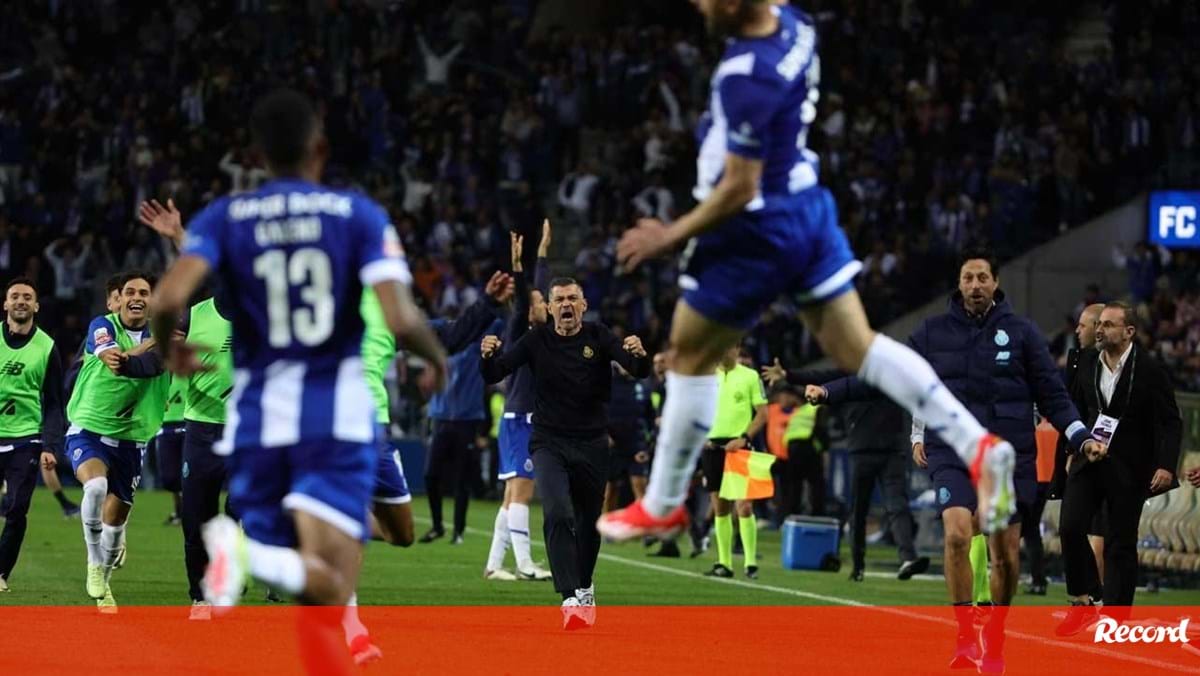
<point>569,445</point>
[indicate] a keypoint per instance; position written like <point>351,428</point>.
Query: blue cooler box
<point>810,541</point>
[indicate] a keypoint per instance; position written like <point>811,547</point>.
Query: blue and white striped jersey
<point>291,260</point>
<point>764,97</point>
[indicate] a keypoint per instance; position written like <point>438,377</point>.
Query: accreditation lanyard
<point>1128,393</point>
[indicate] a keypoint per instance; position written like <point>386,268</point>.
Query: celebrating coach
<point>1126,398</point>
<point>572,380</point>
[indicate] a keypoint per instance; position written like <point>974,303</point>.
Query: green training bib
<point>22,372</point>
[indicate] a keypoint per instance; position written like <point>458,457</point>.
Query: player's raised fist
<point>633,345</point>
<point>490,346</point>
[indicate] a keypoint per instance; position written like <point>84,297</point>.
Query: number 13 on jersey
<point>308,270</point>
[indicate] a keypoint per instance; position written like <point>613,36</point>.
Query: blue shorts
<point>328,479</point>
<point>952,482</point>
<point>793,245</point>
<point>122,458</point>
<point>514,447</point>
<point>390,485</point>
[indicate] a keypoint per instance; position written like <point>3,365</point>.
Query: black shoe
<point>172,520</point>
<point>698,549</point>
<point>915,567</point>
<point>856,575</point>
<point>668,550</point>
<point>433,534</point>
<point>70,510</point>
<point>649,541</point>
<point>457,539</point>
<point>273,596</point>
<point>719,570</point>
<point>1036,589</point>
<point>752,572</point>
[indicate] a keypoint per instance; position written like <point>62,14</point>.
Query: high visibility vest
<point>802,425</point>
<point>777,422</point>
<point>1047,443</point>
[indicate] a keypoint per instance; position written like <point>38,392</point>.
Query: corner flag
<point>747,476</point>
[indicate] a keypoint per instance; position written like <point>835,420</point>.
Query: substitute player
<point>203,475</point>
<point>117,406</point>
<point>301,429</point>
<point>765,226</point>
<point>516,467</point>
<point>31,420</point>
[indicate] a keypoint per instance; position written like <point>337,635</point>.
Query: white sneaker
<point>120,562</point>
<point>107,604</point>
<point>992,470</point>
<point>228,560</point>
<point>95,581</point>
<point>201,610</point>
<point>534,572</point>
<point>500,575</point>
<point>576,616</point>
<point>587,597</point>
<point>3,584</point>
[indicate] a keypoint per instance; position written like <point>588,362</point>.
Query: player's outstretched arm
<point>411,328</point>
<point>650,238</point>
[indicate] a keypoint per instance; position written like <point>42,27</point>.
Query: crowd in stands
<point>939,125</point>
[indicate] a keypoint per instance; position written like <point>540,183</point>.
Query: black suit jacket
<point>1059,481</point>
<point>1150,431</point>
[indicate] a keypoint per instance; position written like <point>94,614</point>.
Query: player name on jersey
<point>291,204</point>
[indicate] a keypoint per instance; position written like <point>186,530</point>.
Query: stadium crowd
<point>936,129</point>
<point>941,134</point>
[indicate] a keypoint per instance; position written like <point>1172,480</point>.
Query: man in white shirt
<point>1127,399</point>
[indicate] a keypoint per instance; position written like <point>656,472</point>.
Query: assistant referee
<point>572,382</point>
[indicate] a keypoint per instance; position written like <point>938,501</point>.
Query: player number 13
<point>309,269</point>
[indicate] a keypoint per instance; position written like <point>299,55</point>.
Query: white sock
<point>518,529</point>
<point>280,567</point>
<point>90,506</point>
<point>910,381</point>
<point>112,539</point>
<point>687,416</point>
<point>499,540</point>
<point>352,627</point>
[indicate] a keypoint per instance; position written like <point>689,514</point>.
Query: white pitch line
<point>892,610</point>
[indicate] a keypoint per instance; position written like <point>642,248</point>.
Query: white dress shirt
<point>1109,377</point>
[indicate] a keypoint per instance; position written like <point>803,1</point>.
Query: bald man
<point>1085,332</point>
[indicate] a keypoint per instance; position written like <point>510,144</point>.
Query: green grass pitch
<point>51,571</point>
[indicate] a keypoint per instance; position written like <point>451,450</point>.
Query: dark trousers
<point>168,451</point>
<point>570,474</point>
<point>805,467</point>
<point>19,467</point>
<point>1031,533</point>
<point>453,457</point>
<point>203,477</point>
<point>1109,484</point>
<point>888,468</point>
